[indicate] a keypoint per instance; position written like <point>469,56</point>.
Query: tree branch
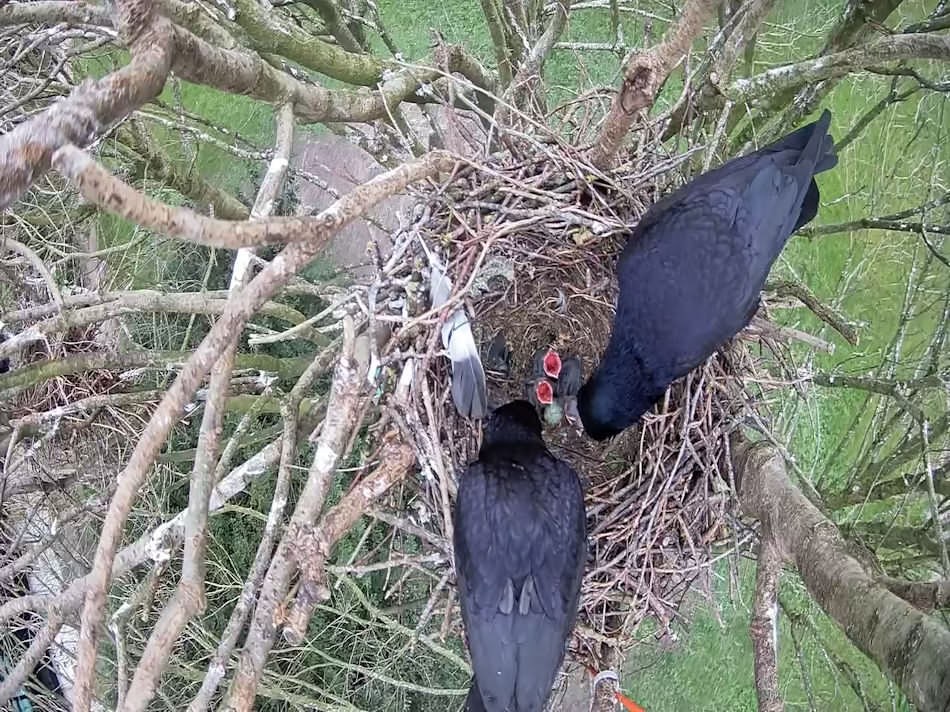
<point>926,596</point>
<point>272,277</point>
<point>833,318</point>
<point>27,150</point>
<point>644,77</point>
<point>758,90</point>
<point>341,420</point>
<point>909,646</point>
<point>189,600</point>
<point>270,33</point>
<point>136,303</point>
<point>763,628</point>
<point>154,160</point>
<point>111,194</point>
<point>315,544</point>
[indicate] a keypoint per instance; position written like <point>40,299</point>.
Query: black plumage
<point>520,549</point>
<point>4,362</point>
<point>692,271</point>
<point>44,682</point>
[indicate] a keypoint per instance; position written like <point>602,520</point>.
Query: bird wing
<point>520,550</point>
<point>692,279</point>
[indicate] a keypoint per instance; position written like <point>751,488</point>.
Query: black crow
<point>692,270</point>
<point>520,548</point>
<point>44,680</point>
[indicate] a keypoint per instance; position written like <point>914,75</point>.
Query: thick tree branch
<point>858,21</point>
<point>342,418</point>
<point>49,11</point>
<point>763,628</point>
<point>909,646</point>
<point>100,187</point>
<point>336,25</point>
<point>927,596</point>
<point>270,33</point>
<point>760,89</point>
<point>188,599</point>
<point>154,161</point>
<point>315,544</point>
<point>27,150</point>
<point>644,76</point>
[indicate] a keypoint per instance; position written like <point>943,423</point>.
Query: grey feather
<point>469,390</point>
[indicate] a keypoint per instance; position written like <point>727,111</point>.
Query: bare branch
<point>262,558</point>
<point>644,77</point>
<point>27,150</point>
<point>341,420</point>
<point>107,191</point>
<point>877,621</point>
<point>188,599</point>
<point>833,318</point>
<point>135,303</point>
<point>38,264</point>
<point>763,628</point>
<point>269,33</point>
<point>47,11</point>
<point>926,596</point>
<point>762,87</point>
<point>273,276</point>
<point>315,544</point>
<point>155,161</point>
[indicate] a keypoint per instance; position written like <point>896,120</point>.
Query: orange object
<point>628,704</point>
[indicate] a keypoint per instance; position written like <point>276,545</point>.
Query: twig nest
<point>653,495</point>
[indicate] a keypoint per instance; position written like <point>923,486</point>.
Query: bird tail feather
<point>819,151</point>
<point>816,156</point>
<point>469,390</point>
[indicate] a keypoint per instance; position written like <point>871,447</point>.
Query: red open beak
<point>552,363</point>
<point>544,391</point>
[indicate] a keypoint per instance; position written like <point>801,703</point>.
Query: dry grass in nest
<point>541,238</point>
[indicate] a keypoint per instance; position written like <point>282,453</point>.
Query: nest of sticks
<point>532,243</point>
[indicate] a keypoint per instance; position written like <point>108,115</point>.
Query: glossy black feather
<point>692,271</point>
<point>520,548</point>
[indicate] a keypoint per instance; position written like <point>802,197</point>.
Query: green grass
<point>710,668</point>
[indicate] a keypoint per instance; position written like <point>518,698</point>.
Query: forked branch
<point>644,77</point>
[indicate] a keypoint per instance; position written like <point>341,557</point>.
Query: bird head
<point>606,411</point>
<point>595,410</point>
<point>515,421</point>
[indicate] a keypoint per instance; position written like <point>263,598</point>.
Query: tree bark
<point>645,75</point>
<point>908,645</point>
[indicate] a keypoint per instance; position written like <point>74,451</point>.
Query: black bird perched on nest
<point>692,270</point>
<point>520,547</point>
